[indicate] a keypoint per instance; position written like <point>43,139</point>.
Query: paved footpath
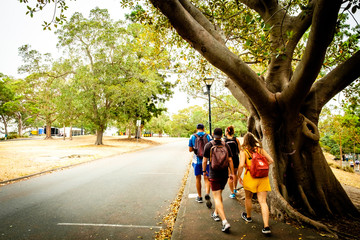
<point>194,221</point>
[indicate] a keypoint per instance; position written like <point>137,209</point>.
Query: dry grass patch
<point>26,157</point>
<point>347,178</point>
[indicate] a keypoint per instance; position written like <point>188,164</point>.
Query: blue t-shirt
<point>196,159</point>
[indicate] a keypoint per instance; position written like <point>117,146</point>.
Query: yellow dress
<point>254,185</point>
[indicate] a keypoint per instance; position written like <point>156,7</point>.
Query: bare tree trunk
<point>64,133</point>
<point>99,137</point>
<point>5,126</point>
<point>70,137</point>
<point>20,125</point>
<point>341,153</point>
<point>48,131</point>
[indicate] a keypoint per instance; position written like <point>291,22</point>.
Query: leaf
<point>347,7</point>
<point>353,9</point>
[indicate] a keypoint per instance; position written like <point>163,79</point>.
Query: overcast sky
<point>18,29</point>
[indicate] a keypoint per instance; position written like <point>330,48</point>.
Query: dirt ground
<point>19,158</point>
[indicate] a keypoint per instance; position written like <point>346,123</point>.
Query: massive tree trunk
<point>285,104</point>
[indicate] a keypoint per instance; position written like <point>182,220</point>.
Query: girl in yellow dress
<point>260,186</point>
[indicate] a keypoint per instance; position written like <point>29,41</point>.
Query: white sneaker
<point>225,227</point>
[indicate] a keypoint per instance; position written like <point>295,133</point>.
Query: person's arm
<point>204,164</point>
<point>231,166</point>
<point>268,157</point>
<point>241,166</point>
<point>191,145</point>
<point>239,145</point>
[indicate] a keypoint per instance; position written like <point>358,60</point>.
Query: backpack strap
<point>247,166</point>
<point>212,146</point>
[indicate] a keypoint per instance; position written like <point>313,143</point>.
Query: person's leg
<point>198,184</point>
<point>235,178</point>
<point>264,207</point>
<point>206,180</point>
<point>207,192</point>
<point>219,206</point>
<point>248,203</point>
<point>198,174</point>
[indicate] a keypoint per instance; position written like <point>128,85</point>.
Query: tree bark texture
<point>99,137</point>
<point>285,104</point>
<point>48,131</point>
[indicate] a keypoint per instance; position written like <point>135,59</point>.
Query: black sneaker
<point>225,227</point>
<point>244,216</point>
<point>208,202</point>
<point>199,199</point>
<point>266,230</point>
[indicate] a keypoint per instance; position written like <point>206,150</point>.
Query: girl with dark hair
<point>260,186</point>
<point>235,147</point>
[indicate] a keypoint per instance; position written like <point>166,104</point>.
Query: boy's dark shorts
<point>217,183</point>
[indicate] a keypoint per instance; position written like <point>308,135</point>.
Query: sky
<point>18,29</point>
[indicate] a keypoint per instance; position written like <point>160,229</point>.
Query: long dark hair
<point>250,142</point>
<point>230,130</point>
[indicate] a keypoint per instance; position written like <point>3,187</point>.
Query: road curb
<point>176,234</point>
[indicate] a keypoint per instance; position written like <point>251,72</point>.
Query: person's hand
<point>231,177</point>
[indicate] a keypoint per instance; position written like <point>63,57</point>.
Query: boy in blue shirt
<point>196,144</point>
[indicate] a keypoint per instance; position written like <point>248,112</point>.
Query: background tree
<point>7,95</point>
<point>159,125</point>
<point>226,111</point>
<point>340,130</point>
<point>184,123</point>
<point>117,77</point>
<point>42,84</point>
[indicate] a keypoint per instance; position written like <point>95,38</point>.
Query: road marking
<point>192,195</point>
<point>107,225</point>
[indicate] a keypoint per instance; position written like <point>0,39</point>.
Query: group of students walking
<point>221,161</point>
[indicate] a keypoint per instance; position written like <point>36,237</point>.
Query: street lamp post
<point>209,82</point>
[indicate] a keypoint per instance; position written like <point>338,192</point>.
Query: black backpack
<point>200,144</point>
<point>233,144</point>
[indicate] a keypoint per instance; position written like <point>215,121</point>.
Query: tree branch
<point>330,85</point>
<point>202,20</point>
<point>266,8</point>
<point>239,95</point>
<point>322,32</point>
<point>217,54</point>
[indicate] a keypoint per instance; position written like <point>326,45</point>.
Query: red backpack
<point>219,156</point>
<point>259,165</point>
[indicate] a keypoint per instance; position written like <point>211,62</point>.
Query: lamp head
<point>209,81</point>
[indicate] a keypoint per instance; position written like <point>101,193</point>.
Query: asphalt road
<point>120,197</point>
